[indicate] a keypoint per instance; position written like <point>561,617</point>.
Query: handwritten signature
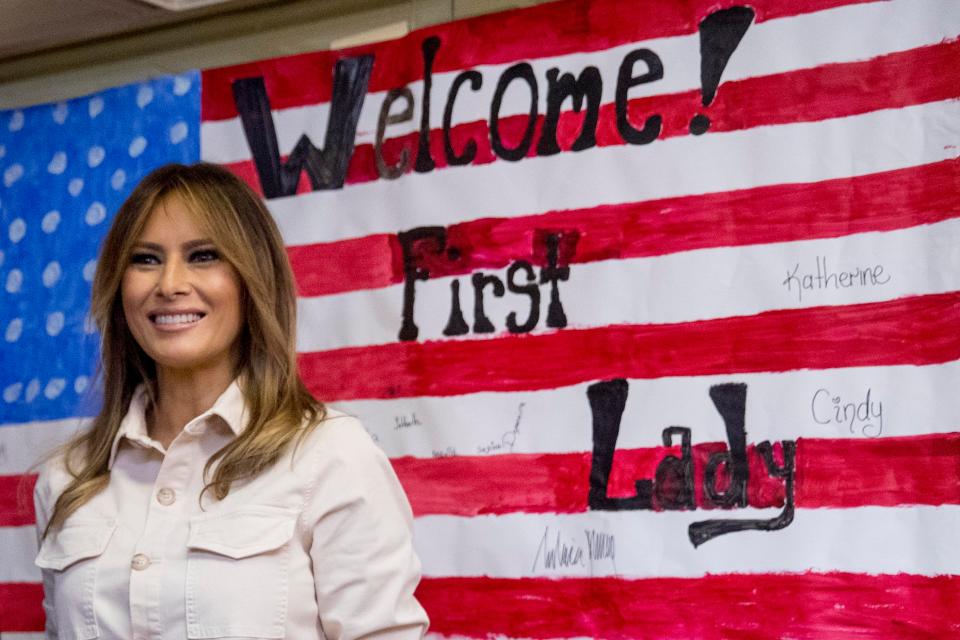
<point>507,440</point>
<point>563,552</point>
<point>403,422</point>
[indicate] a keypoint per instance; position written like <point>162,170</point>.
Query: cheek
<point>231,298</point>
<point>128,298</point>
<point>131,297</point>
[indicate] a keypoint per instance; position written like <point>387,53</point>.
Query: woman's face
<point>180,299</point>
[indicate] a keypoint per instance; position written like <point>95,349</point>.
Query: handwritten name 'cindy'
<point>726,474</point>
<point>865,416</point>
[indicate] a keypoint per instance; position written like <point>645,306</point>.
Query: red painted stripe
<point>779,213</point>
<point>914,330</point>
<point>881,471</point>
<point>814,606</point>
<point>830,473</point>
<point>368,262</point>
<point>561,28</point>
<point>804,95</point>
<point>833,473</point>
<point>16,500</point>
<point>21,607</point>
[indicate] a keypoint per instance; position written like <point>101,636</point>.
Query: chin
<point>182,361</point>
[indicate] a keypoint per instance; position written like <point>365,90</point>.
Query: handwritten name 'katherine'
<point>823,277</point>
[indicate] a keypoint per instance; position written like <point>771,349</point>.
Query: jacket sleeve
<point>43,505</point>
<point>365,569</point>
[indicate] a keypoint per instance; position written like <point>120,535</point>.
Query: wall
<point>252,34</point>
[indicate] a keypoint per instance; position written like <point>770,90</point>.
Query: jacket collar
<point>230,406</point>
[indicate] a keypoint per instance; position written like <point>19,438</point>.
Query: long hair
<point>278,403</point>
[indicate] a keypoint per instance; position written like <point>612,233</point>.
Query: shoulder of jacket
<point>340,435</point>
<point>52,477</point>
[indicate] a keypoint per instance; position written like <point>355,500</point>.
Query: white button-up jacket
<point>317,546</point>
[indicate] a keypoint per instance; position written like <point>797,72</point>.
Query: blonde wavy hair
<point>278,403</point>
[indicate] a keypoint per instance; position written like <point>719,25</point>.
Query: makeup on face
<point>181,299</point>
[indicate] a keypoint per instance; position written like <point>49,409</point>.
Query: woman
<point>213,496</point>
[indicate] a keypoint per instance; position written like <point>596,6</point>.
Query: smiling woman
<point>213,496</point>
<point>181,302</point>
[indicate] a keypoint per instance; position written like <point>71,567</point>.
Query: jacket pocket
<point>71,554</point>
<point>237,580</point>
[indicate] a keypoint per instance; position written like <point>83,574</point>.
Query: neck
<point>181,397</point>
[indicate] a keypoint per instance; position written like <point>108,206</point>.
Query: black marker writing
<point>726,473</point>
<point>580,90</point>
<point>427,253</point>
<point>326,167</point>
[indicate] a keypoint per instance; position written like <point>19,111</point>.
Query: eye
<point>204,255</point>
<point>144,258</point>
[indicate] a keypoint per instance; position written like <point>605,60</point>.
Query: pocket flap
<point>243,532</point>
<point>75,541</point>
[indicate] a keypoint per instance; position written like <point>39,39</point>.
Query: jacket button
<point>140,562</point>
<point>166,496</point>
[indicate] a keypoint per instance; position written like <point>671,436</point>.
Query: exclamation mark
<point>720,34</point>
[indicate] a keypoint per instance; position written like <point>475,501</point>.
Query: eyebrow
<point>190,244</point>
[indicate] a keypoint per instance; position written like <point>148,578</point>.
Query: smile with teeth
<point>176,318</point>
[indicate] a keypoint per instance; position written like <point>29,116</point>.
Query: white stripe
<point>903,401</point>
<point>18,548</point>
<point>844,34</point>
<point>23,446</point>
<point>915,540</point>
<point>779,406</point>
<point>7,635</point>
<point>680,287</point>
<point>803,152</point>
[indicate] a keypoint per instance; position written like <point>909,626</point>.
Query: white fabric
<point>318,546</point>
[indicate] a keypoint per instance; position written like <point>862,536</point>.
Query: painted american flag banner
<point>654,305</point>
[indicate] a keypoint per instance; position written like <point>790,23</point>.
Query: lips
<point>173,319</point>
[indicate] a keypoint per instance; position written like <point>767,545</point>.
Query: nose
<point>174,279</point>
